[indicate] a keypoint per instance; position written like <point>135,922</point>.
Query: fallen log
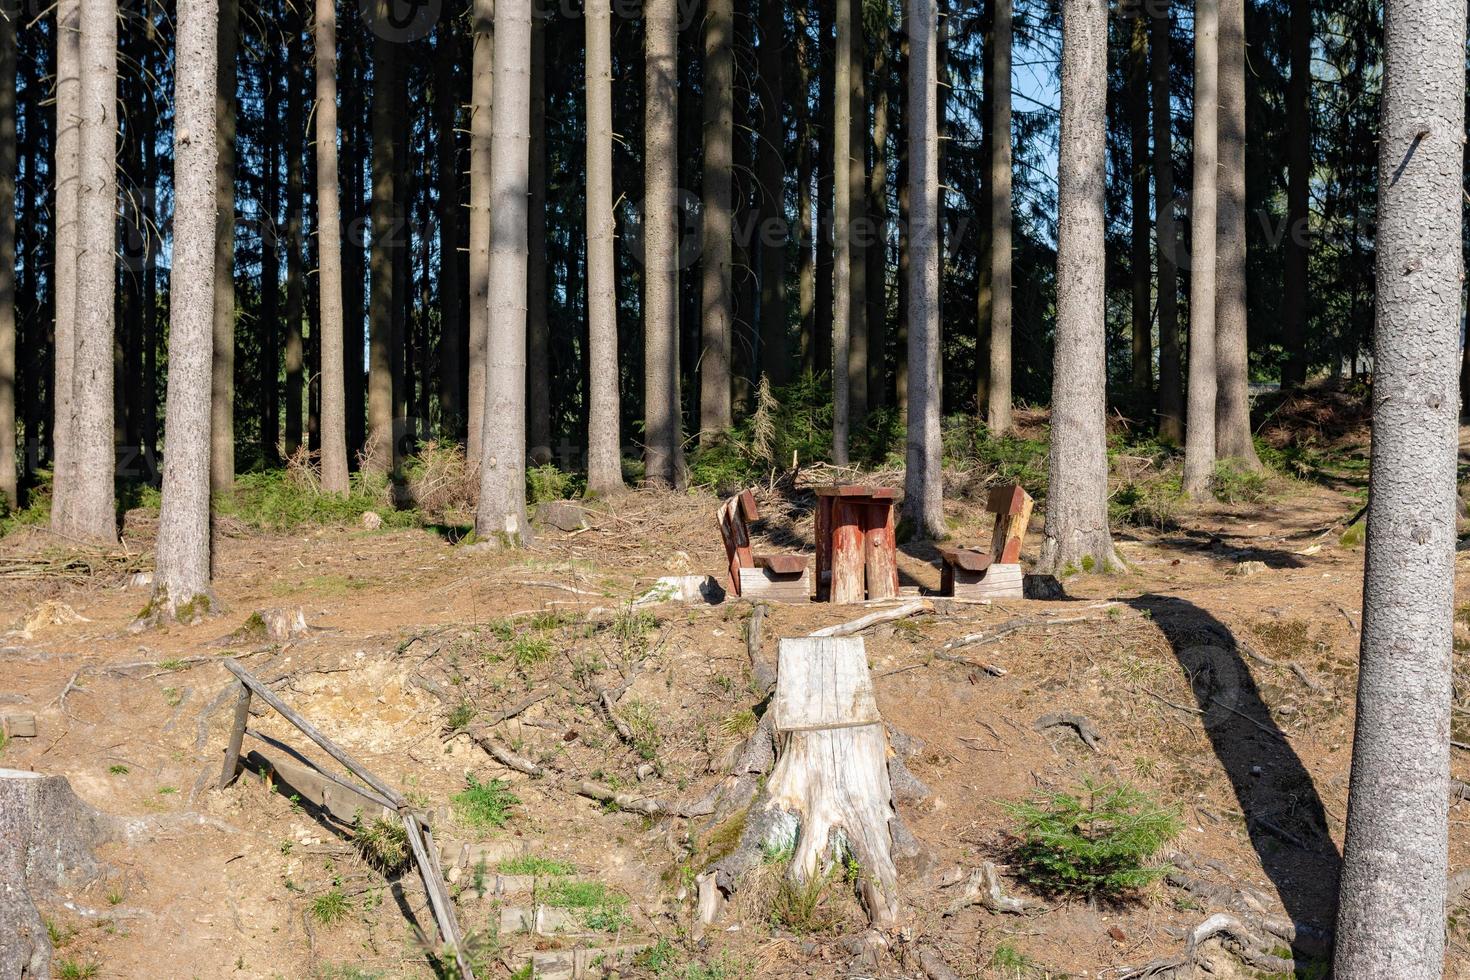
<point>856,626</point>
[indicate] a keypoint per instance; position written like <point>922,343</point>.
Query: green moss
<point>1354,536</point>
<point>1088,563</point>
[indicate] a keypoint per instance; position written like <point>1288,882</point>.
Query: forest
<point>702,489</point>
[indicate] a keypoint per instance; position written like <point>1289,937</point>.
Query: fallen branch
<point>983,887</point>
<point>875,619</point>
<point>1010,626</point>
<point>1064,719</point>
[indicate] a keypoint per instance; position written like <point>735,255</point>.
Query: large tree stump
<point>829,794</point>
<point>47,839</point>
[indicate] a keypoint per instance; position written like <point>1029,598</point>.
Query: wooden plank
<point>18,726</point>
<point>783,564</point>
<point>747,506</point>
<point>237,735</point>
<point>849,559</point>
<point>823,534</point>
<point>853,490</point>
<point>880,550</point>
<point>310,731</point>
<point>439,899</point>
<point>1012,506</point>
<point>969,559</point>
<point>762,583</point>
<point>823,682</point>
<point>342,800</point>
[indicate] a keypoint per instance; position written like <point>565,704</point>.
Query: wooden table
<point>856,550</point>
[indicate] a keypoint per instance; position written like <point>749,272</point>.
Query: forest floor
<point>1221,688</point>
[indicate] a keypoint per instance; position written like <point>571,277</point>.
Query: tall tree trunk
<point>859,231</point>
<point>842,186</point>
<point>1391,911</point>
<point>353,264</point>
<point>661,245</point>
<point>1199,443</point>
<point>381,449</point>
<point>270,293</point>
<point>1141,273</point>
<point>716,315</point>
<point>329,255</point>
<point>985,255</point>
<point>923,479</point>
<point>999,408</point>
<point>222,404</point>
<point>1296,284</point>
<point>450,282</point>
<point>1077,535</point>
<point>482,86</point>
<point>538,328</point>
<point>1171,380</point>
<point>604,452</point>
<point>775,357</point>
<point>902,136</point>
<point>877,206</point>
<point>150,270</point>
<point>91,503</point>
<point>1232,351</point>
<point>67,169</point>
<point>181,579</point>
<point>825,56</point>
<point>295,244</point>
<point>806,173</point>
<point>9,14</point>
<point>501,514</point>
<point>400,352</point>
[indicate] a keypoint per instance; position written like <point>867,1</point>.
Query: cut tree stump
<point>829,792</point>
<point>47,840</point>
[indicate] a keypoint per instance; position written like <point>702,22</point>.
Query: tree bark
<point>222,404</point>
<point>1232,355</point>
<point>1171,382</point>
<point>353,264</point>
<point>482,87</point>
<point>859,230</point>
<point>1296,284</point>
<point>538,339</point>
<point>716,314</point>
<point>269,364</point>
<point>329,255</point>
<point>902,133</point>
<point>295,359</point>
<point>501,514</point>
<point>842,305</point>
<point>91,508</point>
<point>775,359</point>
<point>661,245</point>
<point>381,454</point>
<point>1391,913</point>
<point>877,207</point>
<point>1199,443</point>
<point>182,566</point>
<point>806,175</point>
<point>450,281</point>
<point>1077,537</point>
<point>1000,397</point>
<point>604,451</point>
<point>1142,278</point>
<point>9,15</point>
<point>67,162</point>
<point>923,479</point>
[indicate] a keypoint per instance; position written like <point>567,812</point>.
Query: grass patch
<point>529,650</point>
<point>1234,484</point>
<point>642,721</point>
<point>484,805</point>
<point>1354,536</point>
<point>276,500</point>
<point>539,867</point>
<point>331,908</point>
<point>68,969</point>
<point>666,961</point>
<point>383,843</point>
<point>805,907</point>
<point>1099,841</point>
<point>598,906</point>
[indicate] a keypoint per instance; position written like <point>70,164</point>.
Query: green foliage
<point>598,906</point>
<point>277,500</point>
<point>1010,961</point>
<point>804,907</point>
<point>1354,536</point>
<point>968,444</point>
<point>484,805</point>
<point>36,512</point>
<point>331,908</point>
<point>383,843</point>
<point>68,969</point>
<point>1099,841</point>
<point>346,971</point>
<point>665,961</point>
<point>642,721</point>
<point>1234,484</point>
<point>1147,503</point>
<point>460,717</point>
<point>540,867</point>
<point>529,650</point>
<point>547,483</point>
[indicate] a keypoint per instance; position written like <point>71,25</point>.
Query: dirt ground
<point>1222,688</point>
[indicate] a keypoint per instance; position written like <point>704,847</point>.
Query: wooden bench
<point>973,573</point>
<point>783,578</point>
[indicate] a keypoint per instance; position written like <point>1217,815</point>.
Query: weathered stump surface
<point>47,839</point>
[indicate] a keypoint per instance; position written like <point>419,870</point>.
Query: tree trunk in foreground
<point>1296,281</point>
<point>91,513</point>
<point>329,255</point>
<point>1171,383</point>
<point>1199,442</point>
<point>68,178</point>
<point>9,14</point>
<point>775,359</point>
<point>661,245</point>
<point>842,234</point>
<point>295,351</point>
<point>923,482</point>
<point>482,86</point>
<point>381,452</point>
<point>222,405</point>
<point>716,306</point>
<point>501,513</point>
<point>1142,279</point>
<point>1391,913</point>
<point>1232,356</point>
<point>1077,537</point>
<point>604,453</point>
<point>999,386</point>
<point>451,235</point>
<point>538,327</point>
<point>181,579</point>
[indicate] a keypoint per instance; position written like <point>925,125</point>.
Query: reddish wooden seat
<point>782,577</point>
<point>993,573</point>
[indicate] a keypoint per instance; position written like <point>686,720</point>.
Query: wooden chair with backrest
<point>780,577</point>
<point>973,573</point>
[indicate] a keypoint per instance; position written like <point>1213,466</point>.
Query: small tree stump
<point>47,839</point>
<point>829,792</point>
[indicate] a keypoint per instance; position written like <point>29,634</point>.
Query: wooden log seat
<point>778,577</point>
<point>993,573</point>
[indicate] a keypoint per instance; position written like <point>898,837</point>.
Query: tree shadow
<point>1283,812</point>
